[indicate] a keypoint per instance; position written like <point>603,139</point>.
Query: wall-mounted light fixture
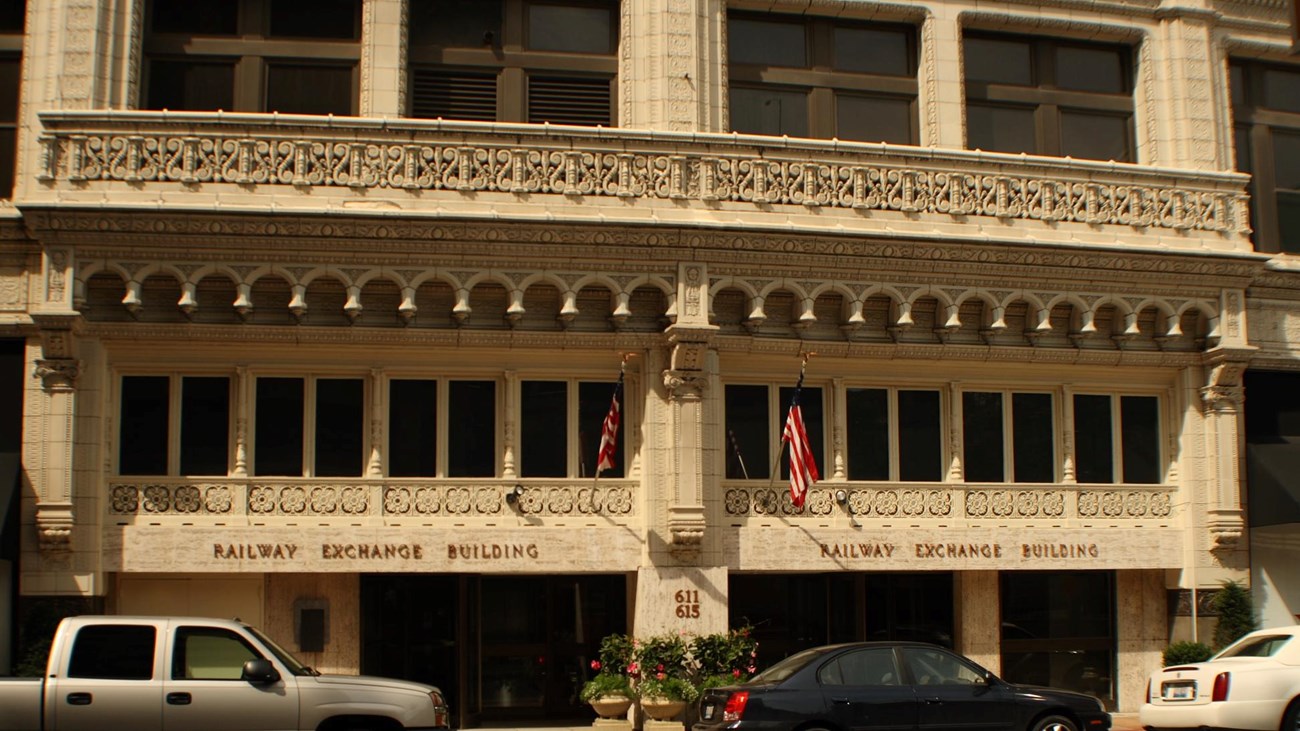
<point>842,498</point>
<point>513,495</point>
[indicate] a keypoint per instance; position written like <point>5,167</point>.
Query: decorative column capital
<point>58,374</point>
<point>1226,528</point>
<point>1223,390</point>
<point>685,385</point>
<point>54,523</point>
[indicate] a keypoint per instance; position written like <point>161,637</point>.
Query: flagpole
<point>798,386</point>
<point>622,372</point>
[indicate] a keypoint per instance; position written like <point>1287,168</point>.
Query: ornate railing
<point>142,148</point>
<point>258,498</point>
<point>974,504</point>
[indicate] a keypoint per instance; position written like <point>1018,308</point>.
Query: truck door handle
<point>840,701</point>
<point>179,699</point>
<point>933,701</point>
<point>80,699</point>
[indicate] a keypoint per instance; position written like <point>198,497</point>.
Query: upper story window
<point>1008,437</point>
<point>806,76</point>
<point>289,56</point>
<point>1117,439</point>
<point>514,60</point>
<point>1049,97</point>
<point>1266,110</point>
<point>12,15</point>
<point>894,434</point>
<point>174,425</point>
<point>755,417</point>
<point>442,427</point>
<point>560,428</point>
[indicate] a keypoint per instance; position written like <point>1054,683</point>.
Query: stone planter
<point>611,706</point>
<point>662,709</point>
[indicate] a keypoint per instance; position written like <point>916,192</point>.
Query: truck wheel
<point>1055,723</point>
<point>1291,719</point>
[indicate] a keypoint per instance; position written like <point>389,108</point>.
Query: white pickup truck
<point>184,674</point>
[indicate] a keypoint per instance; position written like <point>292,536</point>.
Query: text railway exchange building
<point>311,313</point>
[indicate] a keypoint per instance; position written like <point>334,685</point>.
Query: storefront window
<point>1058,629</point>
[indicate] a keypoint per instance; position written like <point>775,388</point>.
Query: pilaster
<point>1192,99</point>
<point>978,613</point>
<point>941,92</point>
<point>1141,633</point>
<point>383,58</point>
<point>672,65</point>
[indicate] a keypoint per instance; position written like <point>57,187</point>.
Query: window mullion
<point>572,446</point>
<point>895,441</point>
<point>174,424</point>
<point>1116,440</point>
<point>1008,437</point>
<point>309,427</point>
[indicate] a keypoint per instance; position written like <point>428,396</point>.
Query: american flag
<point>803,465</point>
<point>609,431</point>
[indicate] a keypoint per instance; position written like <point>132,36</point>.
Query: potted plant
<point>724,658</point>
<point>664,698</point>
<point>609,691</point>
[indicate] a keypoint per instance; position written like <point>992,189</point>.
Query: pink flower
<point>660,676</point>
<point>750,668</point>
<point>660,667</point>
<point>631,668</point>
<point>735,673</point>
<point>595,665</point>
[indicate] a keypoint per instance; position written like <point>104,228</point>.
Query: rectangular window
<point>282,56</point>
<point>151,415</point>
<point>822,77</point>
<point>1117,439</point>
<point>1058,629</point>
<point>920,437</point>
<point>982,455</point>
<point>472,429</point>
<point>1049,96</point>
<point>10,80</point>
<point>868,415</point>
<point>113,652</point>
<point>748,433</point>
<point>1001,430</point>
<point>810,406</point>
<point>145,423</point>
<point>278,446</point>
<point>515,60</point>
<point>543,429</point>
<point>1033,437</point>
<point>412,428</point>
<point>1266,110</point>
<point>340,427</point>
<point>594,400</point>
<point>205,425</point>
<point>210,653</point>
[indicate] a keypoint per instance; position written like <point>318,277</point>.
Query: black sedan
<point>899,686</point>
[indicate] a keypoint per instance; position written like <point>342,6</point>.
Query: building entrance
<point>501,647</point>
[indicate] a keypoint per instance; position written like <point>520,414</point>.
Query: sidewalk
<point>1125,722</point>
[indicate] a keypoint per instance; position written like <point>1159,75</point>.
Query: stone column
<point>510,429</point>
<point>680,599</point>
<point>941,93</point>
<point>375,465</point>
<point>672,65</point>
<point>243,391</point>
<point>383,58</point>
<point>1141,633</point>
<point>1223,396</point>
<point>978,608</point>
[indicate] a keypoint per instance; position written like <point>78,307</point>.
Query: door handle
<point>840,701</point>
<point>80,699</point>
<point>179,699</point>
<point>932,701</point>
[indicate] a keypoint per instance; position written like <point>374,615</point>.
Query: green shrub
<point>617,655</point>
<point>667,687</point>
<point>1183,653</point>
<point>606,684</point>
<point>1236,611</point>
<point>724,658</point>
<point>663,655</point>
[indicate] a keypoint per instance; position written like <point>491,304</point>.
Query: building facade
<point>317,309</point>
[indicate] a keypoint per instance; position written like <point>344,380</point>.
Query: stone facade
<point>246,246</point>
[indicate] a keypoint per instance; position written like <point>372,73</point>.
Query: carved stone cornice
<point>58,374</point>
<point>685,385</point>
<point>686,527</point>
<point>54,524</point>
<point>1226,528</point>
<point>1223,389</point>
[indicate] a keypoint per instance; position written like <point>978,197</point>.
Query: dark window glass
<point>1288,221</point>
<point>1237,82</point>
<point>544,426</point>
<point>903,607</point>
<point>205,425</point>
<point>456,23</point>
<point>8,154</point>
<point>340,427</point>
<point>315,18</point>
<point>571,28</point>
<point>113,652</point>
<point>1094,136</point>
<point>1058,630</point>
<point>810,405</point>
<point>863,667</point>
<point>191,86</point>
<point>769,111</point>
<point>1090,69</point>
<point>1282,89</point>
<point>207,653</point>
<point>789,612</point>
<point>1140,439</point>
<point>982,455</point>
<point>302,89</point>
<point>997,60</point>
<point>873,51</point>
<point>197,17</point>
<point>747,433</point>
<point>920,442</point>
<point>593,404</point>
<point>413,428</point>
<point>13,16</point>
<point>873,119</point>
<point>1033,438</point>
<point>278,445</point>
<point>1286,159</point>
<point>1093,447</point>
<point>766,43</point>
<point>1000,129</point>
<point>1241,139</point>
<point>10,73</point>
<point>472,441</point>
<point>868,433</point>
<point>142,448</point>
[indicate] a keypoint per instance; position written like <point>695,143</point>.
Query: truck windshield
<point>284,656</point>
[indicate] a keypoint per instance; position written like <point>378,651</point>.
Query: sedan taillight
<point>735,707</point>
<point>1222,683</point>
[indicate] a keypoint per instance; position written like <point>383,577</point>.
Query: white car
<point>1253,684</point>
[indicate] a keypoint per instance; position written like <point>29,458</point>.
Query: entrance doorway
<point>514,648</point>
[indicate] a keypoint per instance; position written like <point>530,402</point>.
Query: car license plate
<point>707,713</point>
<point>1179,691</point>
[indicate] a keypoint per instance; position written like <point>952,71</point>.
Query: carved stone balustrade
<point>419,167</point>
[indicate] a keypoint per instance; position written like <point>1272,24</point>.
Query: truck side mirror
<point>260,672</point>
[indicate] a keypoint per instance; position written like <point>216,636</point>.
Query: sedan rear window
<point>1262,646</point>
<point>788,666</point>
